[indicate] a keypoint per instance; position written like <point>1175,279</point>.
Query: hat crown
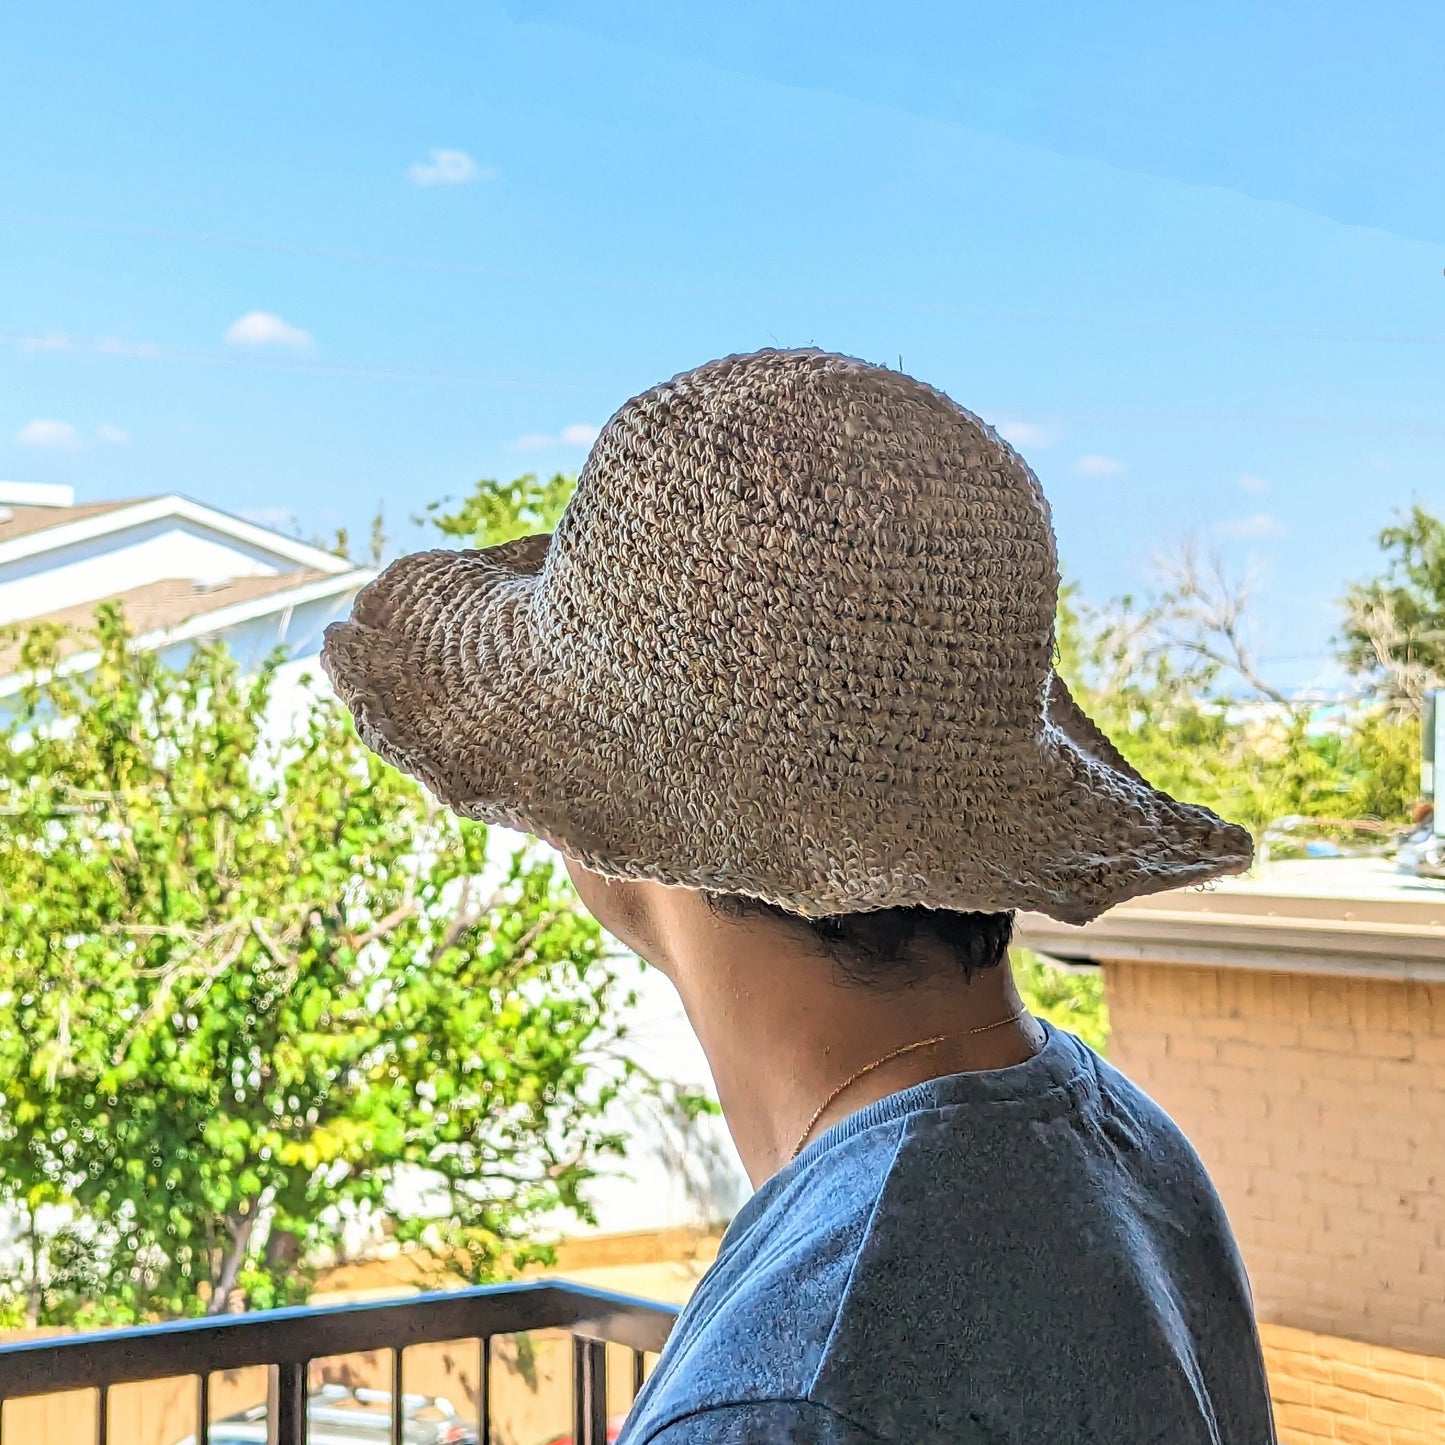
<point>791,639</point>
<point>800,499</point>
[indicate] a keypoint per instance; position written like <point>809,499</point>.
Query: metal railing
<point>289,1340</point>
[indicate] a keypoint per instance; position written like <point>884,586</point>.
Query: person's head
<point>888,950</point>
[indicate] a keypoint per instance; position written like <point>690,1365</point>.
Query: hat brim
<point>446,667</point>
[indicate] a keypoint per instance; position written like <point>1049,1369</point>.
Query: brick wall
<point>1318,1106</point>
<point>1329,1390</point>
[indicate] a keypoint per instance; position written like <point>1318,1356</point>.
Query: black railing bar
<point>291,1422</point>
<point>203,1409</point>
<point>589,1391</point>
<point>639,1372</point>
<point>484,1390</point>
<point>192,1347</point>
<point>398,1397</point>
<point>102,1415</point>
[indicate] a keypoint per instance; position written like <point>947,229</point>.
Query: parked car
<point>338,1415</point>
<point>1300,837</point>
<point>1423,853</point>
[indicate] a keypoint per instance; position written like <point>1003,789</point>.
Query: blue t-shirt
<point>1032,1255</point>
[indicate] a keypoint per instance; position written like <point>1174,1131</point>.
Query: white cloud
<point>261,328</point>
<point>57,436</point>
<point>1251,483</point>
<point>579,434</point>
<point>1379,464</point>
<point>1260,527</point>
<point>449,168</point>
<point>1025,434</point>
<point>1095,465</point>
<point>117,436</point>
<point>116,346</point>
<point>100,346</point>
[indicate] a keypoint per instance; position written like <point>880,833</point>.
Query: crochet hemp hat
<point>792,638</point>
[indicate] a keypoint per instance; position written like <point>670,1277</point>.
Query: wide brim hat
<point>792,638</point>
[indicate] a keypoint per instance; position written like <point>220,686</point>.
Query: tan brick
<point>1376,1043</point>
<point>1281,1238</point>
<point>1359,1378</point>
<point>1395,1414</point>
<point>1328,1008</point>
<point>1350,1169</point>
<point>1301,1423</point>
<point>1246,1108</point>
<point>1350,1068</point>
<point>1340,1096</point>
<point>1311,1371</point>
<point>1192,1047</point>
<point>1348,1404</point>
<point>1289,1390</point>
<point>1388,1147</point>
<point>1362,1432</point>
<point>1336,1348</point>
<point>1337,1195</point>
<point>1248,1153</point>
<point>1415,1392</point>
<point>1399,1074</point>
<point>1401,1364</point>
<point>1345,1276</point>
<point>1219,1026</point>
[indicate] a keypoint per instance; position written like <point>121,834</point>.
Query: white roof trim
<point>205,623</point>
<point>155,509</point>
<point>36,494</point>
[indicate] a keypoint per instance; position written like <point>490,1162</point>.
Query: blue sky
<point>299,260</point>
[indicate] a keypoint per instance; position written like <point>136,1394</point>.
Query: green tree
<point>1071,1000</point>
<point>1172,679</point>
<point>1394,631</point>
<point>254,986</point>
<point>495,512</point>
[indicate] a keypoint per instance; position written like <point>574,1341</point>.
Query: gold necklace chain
<point>888,1058</point>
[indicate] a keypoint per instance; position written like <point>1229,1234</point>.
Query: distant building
<point>183,572</point>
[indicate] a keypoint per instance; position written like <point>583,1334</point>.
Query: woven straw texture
<point>792,638</point>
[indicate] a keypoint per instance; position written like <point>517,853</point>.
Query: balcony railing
<point>289,1340</point>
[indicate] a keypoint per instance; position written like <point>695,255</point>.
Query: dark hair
<point>881,949</point>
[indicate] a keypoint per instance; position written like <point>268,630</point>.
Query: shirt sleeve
<point>764,1422</point>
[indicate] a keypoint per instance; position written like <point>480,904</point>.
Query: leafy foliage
<point>1072,1001</point>
<point>1166,687</point>
<point>255,987</point>
<point>1394,632</point>
<point>495,512</point>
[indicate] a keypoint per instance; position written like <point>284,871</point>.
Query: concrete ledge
<point>1320,917</point>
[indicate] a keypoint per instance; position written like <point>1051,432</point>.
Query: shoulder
<point>762,1422</point>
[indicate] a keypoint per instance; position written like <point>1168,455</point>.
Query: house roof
<point>36,530</point>
<point>158,608</point>
<point>19,521</point>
